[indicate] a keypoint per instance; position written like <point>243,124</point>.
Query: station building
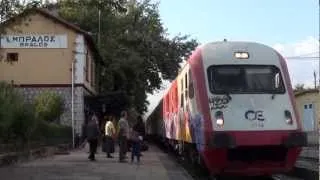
<point>308,104</point>
<point>38,51</point>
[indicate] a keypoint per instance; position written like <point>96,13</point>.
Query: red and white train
<point>232,108</point>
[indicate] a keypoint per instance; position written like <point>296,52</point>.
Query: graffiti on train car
<point>219,102</point>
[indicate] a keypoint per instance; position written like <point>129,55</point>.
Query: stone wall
<point>30,93</point>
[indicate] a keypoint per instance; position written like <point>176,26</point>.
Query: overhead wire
<point>304,56</point>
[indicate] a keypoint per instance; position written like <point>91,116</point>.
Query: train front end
<point>252,126</point>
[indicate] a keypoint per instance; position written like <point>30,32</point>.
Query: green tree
<point>8,102</point>
<point>19,125</point>
<point>133,43</point>
<point>17,120</point>
<point>48,106</point>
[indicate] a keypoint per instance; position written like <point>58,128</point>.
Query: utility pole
<point>319,45</point>
<point>72,104</point>
<point>315,79</point>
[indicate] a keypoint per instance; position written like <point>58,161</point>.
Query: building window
<point>86,69</point>
<point>12,57</point>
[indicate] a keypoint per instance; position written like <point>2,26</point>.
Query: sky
<point>289,26</point>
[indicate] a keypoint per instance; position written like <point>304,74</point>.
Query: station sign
<point>47,41</point>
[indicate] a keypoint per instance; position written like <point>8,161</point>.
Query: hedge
<point>19,124</point>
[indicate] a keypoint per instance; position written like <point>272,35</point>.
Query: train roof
<point>225,52</point>
<point>218,44</point>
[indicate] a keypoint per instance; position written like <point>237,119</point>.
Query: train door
<point>183,108</point>
<point>190,108</point>
<point>179,112</point>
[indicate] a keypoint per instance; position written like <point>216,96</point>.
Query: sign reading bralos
<point>34,41</point>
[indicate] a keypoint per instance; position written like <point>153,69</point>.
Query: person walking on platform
<point>136,140</point>
<point>140,129</point>
<point>92,135</point>
<point>109,135</point>
<point>123,135</point>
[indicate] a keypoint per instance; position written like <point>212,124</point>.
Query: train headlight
<point>220,122</point>
<point>219,118</point>
<point>241,55</point>
<point>288,117</point>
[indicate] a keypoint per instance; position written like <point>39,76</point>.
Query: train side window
<point>182,100</point>
<point>186,80</point>
<point>277,80</point>
<point>190,88</point>
<point>182,85</point>
<point>182,93</point>
<point>176,96</point>
<point>186,86</point>
<point>191,91</point>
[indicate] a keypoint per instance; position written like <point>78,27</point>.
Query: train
<point>232,109</point>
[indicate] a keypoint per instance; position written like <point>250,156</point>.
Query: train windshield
<point>242,79</point>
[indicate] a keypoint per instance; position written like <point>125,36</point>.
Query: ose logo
<point>254,115</point>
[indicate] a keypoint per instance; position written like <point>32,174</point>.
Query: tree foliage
<point>9,8</point>
<point>19,124</point>
<point>133,43</point>
<point>17,120</point>
<point>48,106</point>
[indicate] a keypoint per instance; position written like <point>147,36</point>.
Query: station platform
<point>154,165</point>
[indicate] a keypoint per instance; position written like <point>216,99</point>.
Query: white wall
<point>80,58</point>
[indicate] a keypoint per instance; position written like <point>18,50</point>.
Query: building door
<point>308,117</point>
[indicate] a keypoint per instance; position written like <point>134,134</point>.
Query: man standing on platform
<point>92,136</point>
<point>123,135</point>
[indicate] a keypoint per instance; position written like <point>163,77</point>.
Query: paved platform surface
<point>310,152</point>
<point>155,165</point>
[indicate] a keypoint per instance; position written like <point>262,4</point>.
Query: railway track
<point>274,177</point>
<point>199,173</point>
<point>284,177</point>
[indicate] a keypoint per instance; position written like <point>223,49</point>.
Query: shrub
<point>24,123</point>
<point>52,133</point>
<point>20,123</point>
<point>48,106</point>
<point>17,119</point>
